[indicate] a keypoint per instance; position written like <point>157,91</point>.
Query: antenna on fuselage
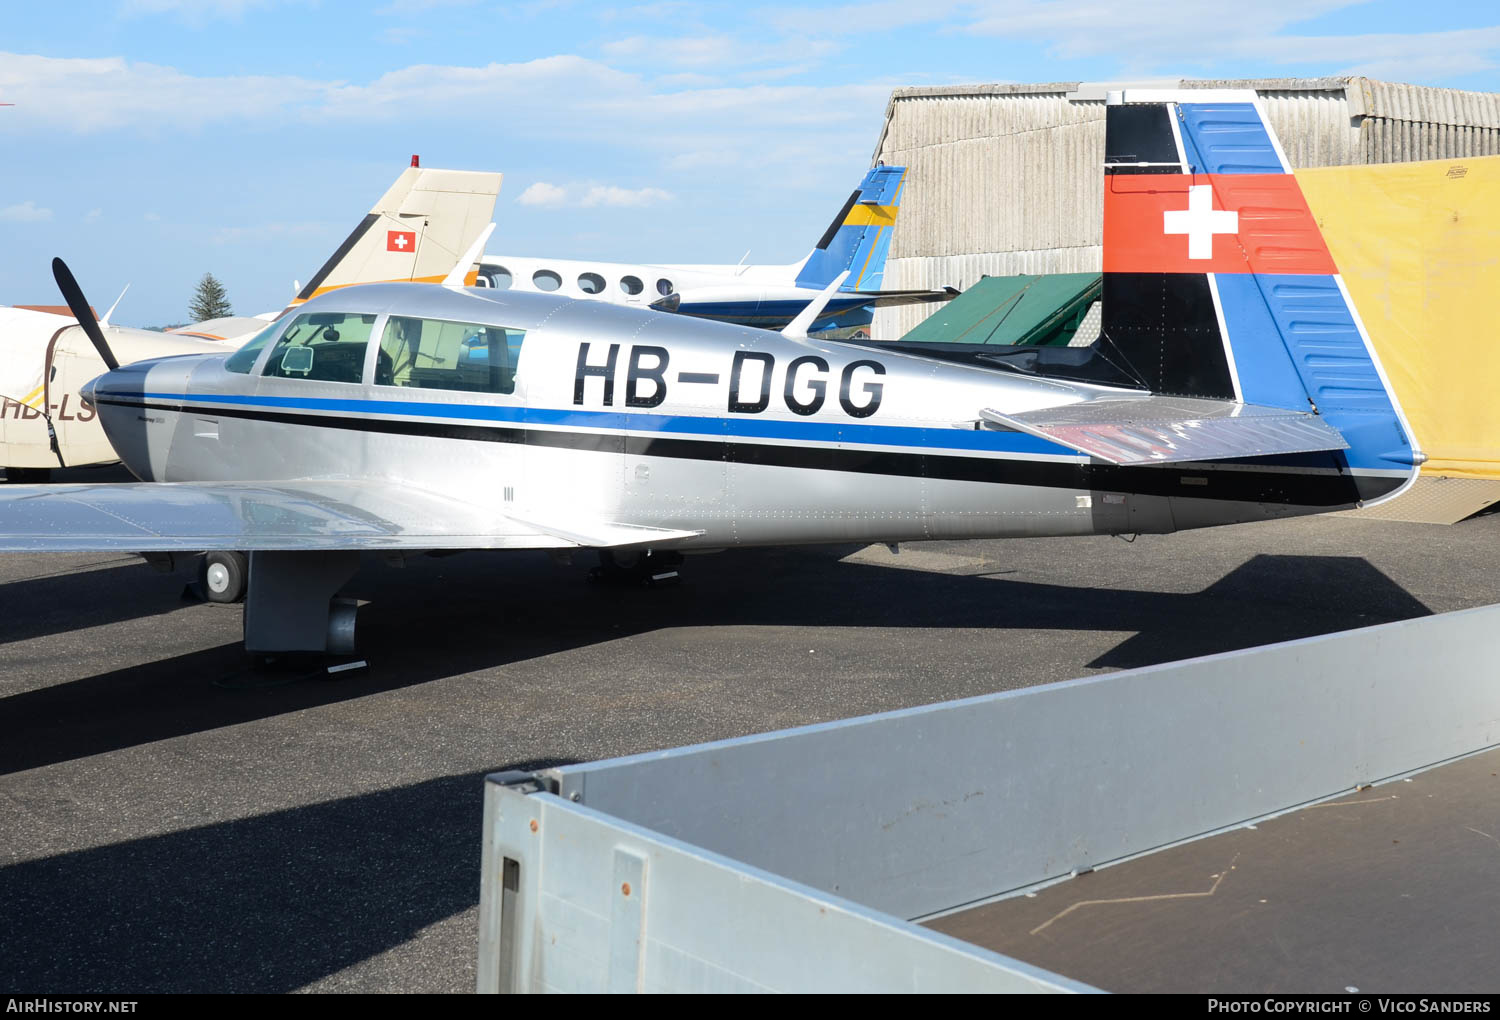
<point>105,320</point>
<point>460,272</point>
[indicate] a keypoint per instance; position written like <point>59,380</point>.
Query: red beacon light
<point>416,161</point>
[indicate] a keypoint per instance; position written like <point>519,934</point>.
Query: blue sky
<point>154,140</point>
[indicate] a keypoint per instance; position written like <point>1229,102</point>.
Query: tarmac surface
<point>170,821</point>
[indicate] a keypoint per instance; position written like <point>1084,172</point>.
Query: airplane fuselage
<point>746,436</point>
<point>763,296</point>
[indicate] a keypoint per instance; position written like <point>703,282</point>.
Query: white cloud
<point>92,215</point>
<point>544,194</point>
<point>152,217</point>
<point>565,98</point>
<point>404,34</point>
<point>699,51</point>
<point>715,52</point>
<point>609,194</point>
<point>1167,35</point>
<point>687,79</point>
<point>93,94</point>
<point>25,212</point>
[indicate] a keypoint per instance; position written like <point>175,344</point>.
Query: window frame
<point>367,369</point>
<point>518,382</point>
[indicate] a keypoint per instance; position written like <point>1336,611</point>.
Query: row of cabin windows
<point>500,278</point>
<point>429,354</point>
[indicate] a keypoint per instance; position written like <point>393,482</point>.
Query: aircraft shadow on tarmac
<point>446,617</point>
<point>264,904</point>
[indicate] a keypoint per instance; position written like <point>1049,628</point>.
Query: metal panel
<point>924,810</point>
<point>582,919</point>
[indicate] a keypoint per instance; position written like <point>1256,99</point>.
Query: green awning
<point>1032,310</point>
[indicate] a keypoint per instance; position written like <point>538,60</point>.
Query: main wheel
<point>223,576</point>
<point>637,566</point>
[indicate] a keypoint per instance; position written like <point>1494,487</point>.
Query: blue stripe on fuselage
<point>985,440</point>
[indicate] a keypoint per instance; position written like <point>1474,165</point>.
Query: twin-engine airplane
<point>856,243</point>
<point>427,223</point>
<point>1232,382</point>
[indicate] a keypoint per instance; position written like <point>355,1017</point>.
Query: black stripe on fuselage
<point>1314,485</point>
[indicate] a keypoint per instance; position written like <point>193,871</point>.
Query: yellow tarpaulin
<point>1419,246</point>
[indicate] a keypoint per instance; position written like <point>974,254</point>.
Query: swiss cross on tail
<point>400,240</point>
<point>1202,188</point>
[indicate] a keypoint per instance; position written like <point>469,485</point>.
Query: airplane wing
<point>1165,430</point>
<point>206,516</point>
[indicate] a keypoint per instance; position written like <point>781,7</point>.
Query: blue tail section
<point>859,237</point>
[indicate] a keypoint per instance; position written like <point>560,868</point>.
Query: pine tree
<point>209,301</point>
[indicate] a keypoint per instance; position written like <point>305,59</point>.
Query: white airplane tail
<point>419,231</point>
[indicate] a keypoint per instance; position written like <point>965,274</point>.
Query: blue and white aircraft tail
<point>859,238</point>
<point>770,296</point>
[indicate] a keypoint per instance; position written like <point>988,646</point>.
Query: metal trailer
<point>1200,825</point>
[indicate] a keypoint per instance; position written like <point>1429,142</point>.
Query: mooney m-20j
<point>420,229</point>
<point>856,243</point>
<point>1232,381</point>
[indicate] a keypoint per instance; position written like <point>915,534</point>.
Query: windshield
<point>243,360</point>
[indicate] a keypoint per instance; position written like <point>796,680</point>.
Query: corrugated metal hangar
<point>1006,179</point>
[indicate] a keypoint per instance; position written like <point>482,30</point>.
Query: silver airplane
<point>1232,382</point>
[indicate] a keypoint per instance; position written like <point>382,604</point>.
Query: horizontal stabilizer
<point>1166,430</point>
<point>887,298</point>
<point>288,516</point>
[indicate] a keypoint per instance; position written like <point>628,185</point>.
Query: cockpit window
<point>243,360</point>
<point>434,354</point>
<point>327,346</point>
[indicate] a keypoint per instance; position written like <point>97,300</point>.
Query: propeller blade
<point>79,306</point>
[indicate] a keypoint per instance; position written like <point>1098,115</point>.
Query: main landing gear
<point>223,576</point>
<point>637,567</point>
<point>293,612</point>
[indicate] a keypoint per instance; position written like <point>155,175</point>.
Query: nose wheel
<point>223,575</point>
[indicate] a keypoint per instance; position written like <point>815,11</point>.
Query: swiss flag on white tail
<point>400,240</point>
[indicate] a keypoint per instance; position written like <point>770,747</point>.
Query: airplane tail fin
<point>1218,283</point>
<point>418,231</point>
<point>859,237</point>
